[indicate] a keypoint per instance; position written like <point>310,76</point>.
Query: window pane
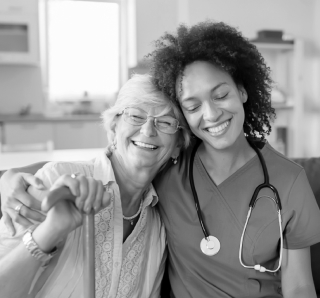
<point>83,50</point>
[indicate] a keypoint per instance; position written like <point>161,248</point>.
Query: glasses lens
<point>167,124</point>
<point>135,116</point>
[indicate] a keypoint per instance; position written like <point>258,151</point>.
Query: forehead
<point>199,76</point>
<point>157,110</point>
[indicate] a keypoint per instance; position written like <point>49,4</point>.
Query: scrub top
<point>224,208</point>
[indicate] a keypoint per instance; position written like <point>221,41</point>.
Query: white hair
<point>139,90</point>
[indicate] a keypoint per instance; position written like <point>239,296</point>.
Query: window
<point>82,49</point>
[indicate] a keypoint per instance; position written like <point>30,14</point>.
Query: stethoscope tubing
<point>194,192</point>
<point>252,203</point>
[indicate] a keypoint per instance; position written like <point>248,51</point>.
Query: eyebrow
<point>212,90</point>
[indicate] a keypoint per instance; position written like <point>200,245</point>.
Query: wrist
<point>35,250</point>
<point>47,236</point>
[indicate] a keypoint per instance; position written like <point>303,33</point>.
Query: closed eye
<point>192,109</point>
<point>221,97</point>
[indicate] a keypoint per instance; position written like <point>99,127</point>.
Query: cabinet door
<point>19,6</point>
<point>76,135</point>
<point>27,133</point>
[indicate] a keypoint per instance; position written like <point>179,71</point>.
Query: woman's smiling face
<point>144,146</point>
<point>212,104</point>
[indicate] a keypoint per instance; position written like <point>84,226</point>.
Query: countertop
<point>6,118</point>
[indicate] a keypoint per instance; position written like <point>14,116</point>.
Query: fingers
<point>8,223</point>
<point>84,191</point>
<point>93,187</point>
<point>56,195</point>
<point>11,216</point>
<point>28,200</point>
<point>31,214</point>
<point>71,183</point>
<point>13,188</point>
<point>29,179</point>
<point>97,204</point>
<point>23,217</point>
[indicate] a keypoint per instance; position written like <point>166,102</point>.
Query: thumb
<point>30,179</point>
<point>56,195</point>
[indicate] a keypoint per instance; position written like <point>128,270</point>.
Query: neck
<point>220,164</point>
<point>132,185</point>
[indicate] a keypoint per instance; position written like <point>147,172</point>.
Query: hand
<point>86,193</point>
<point>65,203</point>
<point>13,187</point>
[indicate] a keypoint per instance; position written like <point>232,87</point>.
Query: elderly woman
<point>145,130</point>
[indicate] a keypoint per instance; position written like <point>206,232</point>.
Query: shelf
<point>274,46</point>
<point>282,106</point>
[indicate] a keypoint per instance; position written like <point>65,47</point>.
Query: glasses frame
<point>154,120</point>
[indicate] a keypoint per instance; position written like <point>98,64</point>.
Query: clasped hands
<point>65,202</point>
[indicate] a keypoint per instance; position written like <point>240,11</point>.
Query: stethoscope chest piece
<point>210,245</point>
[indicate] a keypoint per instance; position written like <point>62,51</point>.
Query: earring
<point>113,147</point>
<point>174,160</point>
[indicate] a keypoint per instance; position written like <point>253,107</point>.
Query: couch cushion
<point>312,168</point>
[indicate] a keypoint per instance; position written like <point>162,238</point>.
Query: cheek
<point>193,120</point>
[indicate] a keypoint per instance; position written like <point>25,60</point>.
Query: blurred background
<point>62,63</point>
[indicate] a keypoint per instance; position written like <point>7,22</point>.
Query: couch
<point>312,168</point>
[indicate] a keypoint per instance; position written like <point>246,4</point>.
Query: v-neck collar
<point>243,168</point>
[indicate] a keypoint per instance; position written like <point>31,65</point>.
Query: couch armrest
<point>312,168</point>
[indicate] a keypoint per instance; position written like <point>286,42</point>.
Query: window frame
<point>127,40</point>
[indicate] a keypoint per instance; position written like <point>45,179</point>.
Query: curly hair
<point>226,48</point>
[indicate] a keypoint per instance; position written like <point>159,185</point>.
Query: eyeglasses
<point>138,117</point>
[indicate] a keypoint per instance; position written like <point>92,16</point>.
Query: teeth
<point>140,144</point>
<point>219,128</point>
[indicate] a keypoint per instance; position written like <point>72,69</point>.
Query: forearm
<point>307,291</point>
<point>18,269</point>
<point>296,274</point>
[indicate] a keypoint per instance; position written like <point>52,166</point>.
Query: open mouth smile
<point>144,145</point>
<point>217,130</point>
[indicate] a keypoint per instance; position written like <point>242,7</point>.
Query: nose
<point>211,111</point>
<point>148,128</point>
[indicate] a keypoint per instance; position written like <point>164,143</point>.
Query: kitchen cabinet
<point>286,63</point>
<point>19,32</point>
<point>77,135</point>
<point>27,133</point>
<point>65,133</point>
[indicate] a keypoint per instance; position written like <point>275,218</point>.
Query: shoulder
<point>65,167</point>
<point>277,162</point>
<point>52,170</point>
<point>181,169</point>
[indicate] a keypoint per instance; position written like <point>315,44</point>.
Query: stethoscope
<point>210,245</point>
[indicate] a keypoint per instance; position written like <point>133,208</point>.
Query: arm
<point>13,185</point>
<point>17,266</point>
<point>296,275</point>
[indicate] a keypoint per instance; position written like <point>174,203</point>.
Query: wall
<point>21,85</point>
<point>297,18</point>
<point>153,19</point>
